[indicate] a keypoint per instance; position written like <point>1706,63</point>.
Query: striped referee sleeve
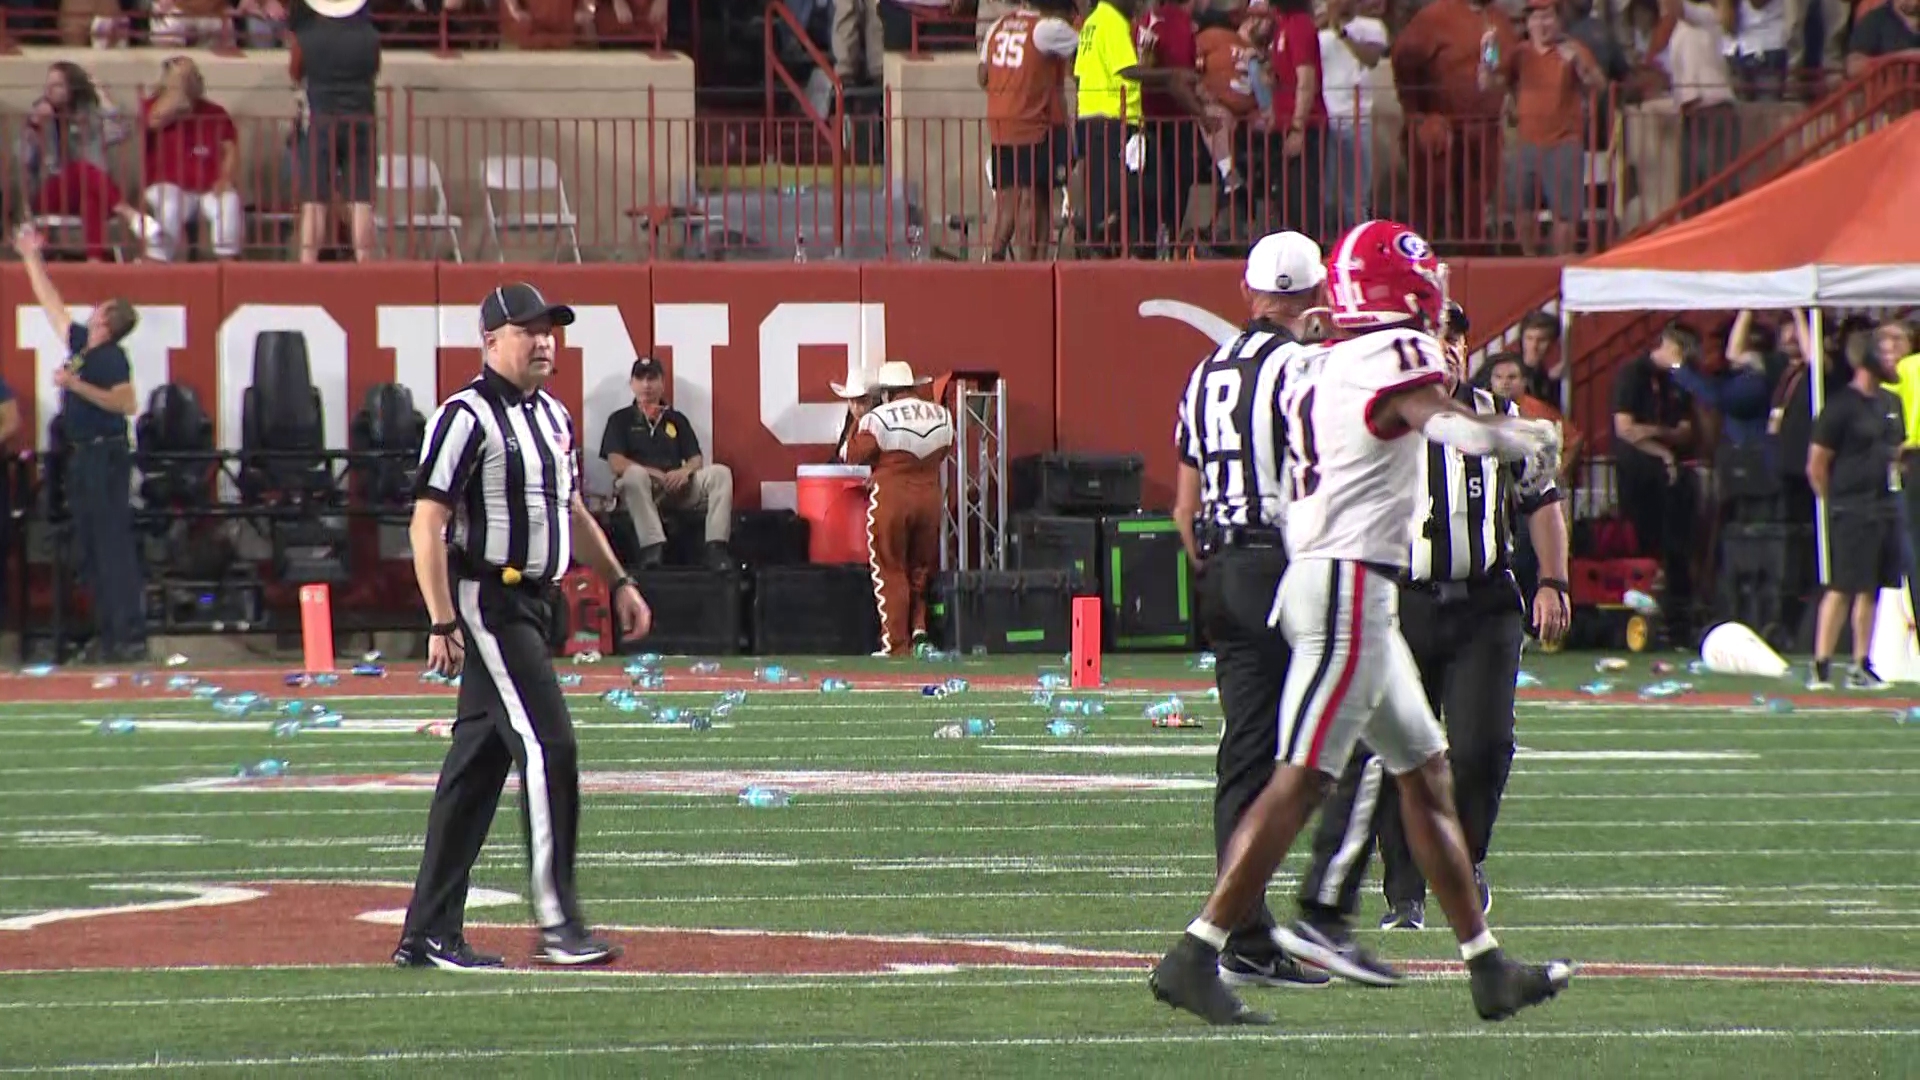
<point>448,454</point>
<point>1185,438</point>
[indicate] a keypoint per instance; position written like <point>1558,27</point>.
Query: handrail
<point>829,128</point>
<point>1868,84</point>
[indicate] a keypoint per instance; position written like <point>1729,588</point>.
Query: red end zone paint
<point>288,924</point>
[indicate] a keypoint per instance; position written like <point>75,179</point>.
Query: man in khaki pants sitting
<point>656,462</point>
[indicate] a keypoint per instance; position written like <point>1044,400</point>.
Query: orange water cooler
<point>833,500</point>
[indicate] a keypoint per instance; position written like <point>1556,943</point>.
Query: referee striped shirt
<point>1463,526</point>
<point>1231,428</point>
<point>507,464</point>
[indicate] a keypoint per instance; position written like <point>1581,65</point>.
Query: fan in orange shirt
<point>1507,378</point>
<point>1233,82</point>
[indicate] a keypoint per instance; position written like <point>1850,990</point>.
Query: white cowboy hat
<point>897,375</point>
<point>336,9</point>
<point>856,386</point>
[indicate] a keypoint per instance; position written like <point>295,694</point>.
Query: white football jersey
<point>1353,490</point>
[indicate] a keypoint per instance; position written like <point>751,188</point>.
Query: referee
<point>1463,620</point>
<point>497,506</point>
<point>1231,442</point>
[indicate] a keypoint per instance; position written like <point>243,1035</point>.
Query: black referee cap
<point>519,304</point>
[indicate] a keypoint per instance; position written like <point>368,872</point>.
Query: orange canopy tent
<point>1843,231</point>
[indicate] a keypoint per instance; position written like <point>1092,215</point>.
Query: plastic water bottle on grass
<point>117,726</point>
<point>286,729</point>
<point>771,674</point>
<point>1165,707</point>
<point>1064,729</point>
<point>326,721</point>
<point>734,697</point>
<point>835,686</point>
<point>264,770</point>
<point>182,682</point>
<point>705,667</point>
<point>1054,680</point>
<point>760,797</point>
<point>973,727</point>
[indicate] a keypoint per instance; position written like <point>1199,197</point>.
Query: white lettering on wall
<point>326,362</point>
<point>413,333</point>
<point>162,328</point>
<point>861,329</point>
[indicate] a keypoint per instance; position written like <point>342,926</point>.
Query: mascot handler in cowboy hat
<point>904,439</point>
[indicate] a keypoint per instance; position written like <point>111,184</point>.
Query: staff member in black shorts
<point>1462,617</point>
<point>1852,465</point>
<point>498,504</point>
<point>1229,505</point>
<point>335,57</point>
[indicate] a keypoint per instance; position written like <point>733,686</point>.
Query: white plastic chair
<point>525,180</point>
<point>411,186</point>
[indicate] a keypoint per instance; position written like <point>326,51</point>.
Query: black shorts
<point>336,160</point>
<point>1041,166</point>
<point>1864,553</point>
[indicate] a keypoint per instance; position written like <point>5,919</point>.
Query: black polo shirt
<point>104,366</point>
<point>1647,392</point>
<point>665,443</point>
<point>1882,32</point>
<point>1864,431</point>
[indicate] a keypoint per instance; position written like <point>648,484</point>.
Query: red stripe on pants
<point>1339,694</point>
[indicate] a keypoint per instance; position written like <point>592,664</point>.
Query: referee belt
<point>1226,537</point>
<point>1454,592</point>
<point>466,566</point>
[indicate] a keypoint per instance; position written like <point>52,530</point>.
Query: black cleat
<point>1189,978</point>
<point>451,953</point>
<point>1486,890</point>
<point>1273,968</point>
<point>573,946</point>
<point>1502,987</point>
<point>1411,915</point>
<point>1332,947</point>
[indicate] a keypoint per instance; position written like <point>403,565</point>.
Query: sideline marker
<point>1084,662</point>
<point>316,628</point>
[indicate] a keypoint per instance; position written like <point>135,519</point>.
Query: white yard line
<point>836,1046</point>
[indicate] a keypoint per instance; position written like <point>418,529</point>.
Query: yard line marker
<point>830,1046</point>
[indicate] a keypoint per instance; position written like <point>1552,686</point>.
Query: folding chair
<point>403,183</point>
<point>528,180</point>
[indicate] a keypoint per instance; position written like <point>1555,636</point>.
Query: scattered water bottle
<point>1910,716</point>
<point>764,797</point>
<point>1526,679</point>
<point>1079,707</point>
<point>587,656</point>
<point>772,674</point>
<point>1597,688</point>
<point>1697,667</point>
<point>650,680</point>
<point>267,769</point>
<point>569,679</point>
<point>973,727</point>
<point>1609,665</point>
<point>934,690</point>
<point>182,682</point>
<point>286,729</point>
<point>1042,698</point>
<point>721,711</point>
<point>105,682</point>
<point>141,678</point>
<point>1054,680</point>
<point>119,725</point>
<point>207,693</point>
<point>232,705</point>
<point>697,720</point>
<point>1778,705</point>
<point>438,729</point>
<point>370,671</point>
<point>705,667</point>
<point>1640,602</point>
<point>667,714</point>
<point>1063,729</point>
<point>37,671</point>
<point>1175,722</point>
<point>1206,661</point>
<point>1165,707</point>
<point>734,697</point>
<point>296,679</point>
<point>955,685</point>
<point>326,721</point>
<point>176,660</point>
<point>834,686</point>
<point>326,678</point>
<point>1665,688</point>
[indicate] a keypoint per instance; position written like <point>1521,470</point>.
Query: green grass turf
<point>1799,850</point>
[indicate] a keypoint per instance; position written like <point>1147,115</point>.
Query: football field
<point>1740,881</point>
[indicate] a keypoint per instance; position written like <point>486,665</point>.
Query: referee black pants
<point>1237,589</point>
<point>1468,653</point>
<point>511,715</point>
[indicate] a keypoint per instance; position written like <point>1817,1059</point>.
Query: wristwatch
<point>443,629</point>
<point>622,581</point>
<point>1556,584</point>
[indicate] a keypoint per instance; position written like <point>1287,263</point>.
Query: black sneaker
<point>573,946</point>
<point>1820,675</point>
<point>1862,677</point>
<point>1411,915</point>
<point>1502,987</point>
<point>450,953</point>
<point>1331,945</point>
<point>1189,978</point>
<point>1270,969</point>
<point>1486,890</point>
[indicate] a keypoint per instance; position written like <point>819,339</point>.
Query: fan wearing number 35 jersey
<point>1355,412</point>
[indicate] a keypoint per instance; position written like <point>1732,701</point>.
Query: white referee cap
<point>1285,262</point>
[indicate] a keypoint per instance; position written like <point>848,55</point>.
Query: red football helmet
<point>1384,274</point>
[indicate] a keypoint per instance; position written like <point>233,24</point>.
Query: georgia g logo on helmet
<point>1384,274</point>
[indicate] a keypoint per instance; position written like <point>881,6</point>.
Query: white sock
<point>1482,944</point>
<point>1208,933</point>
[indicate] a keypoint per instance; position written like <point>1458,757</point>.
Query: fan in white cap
<point>897,375</point>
